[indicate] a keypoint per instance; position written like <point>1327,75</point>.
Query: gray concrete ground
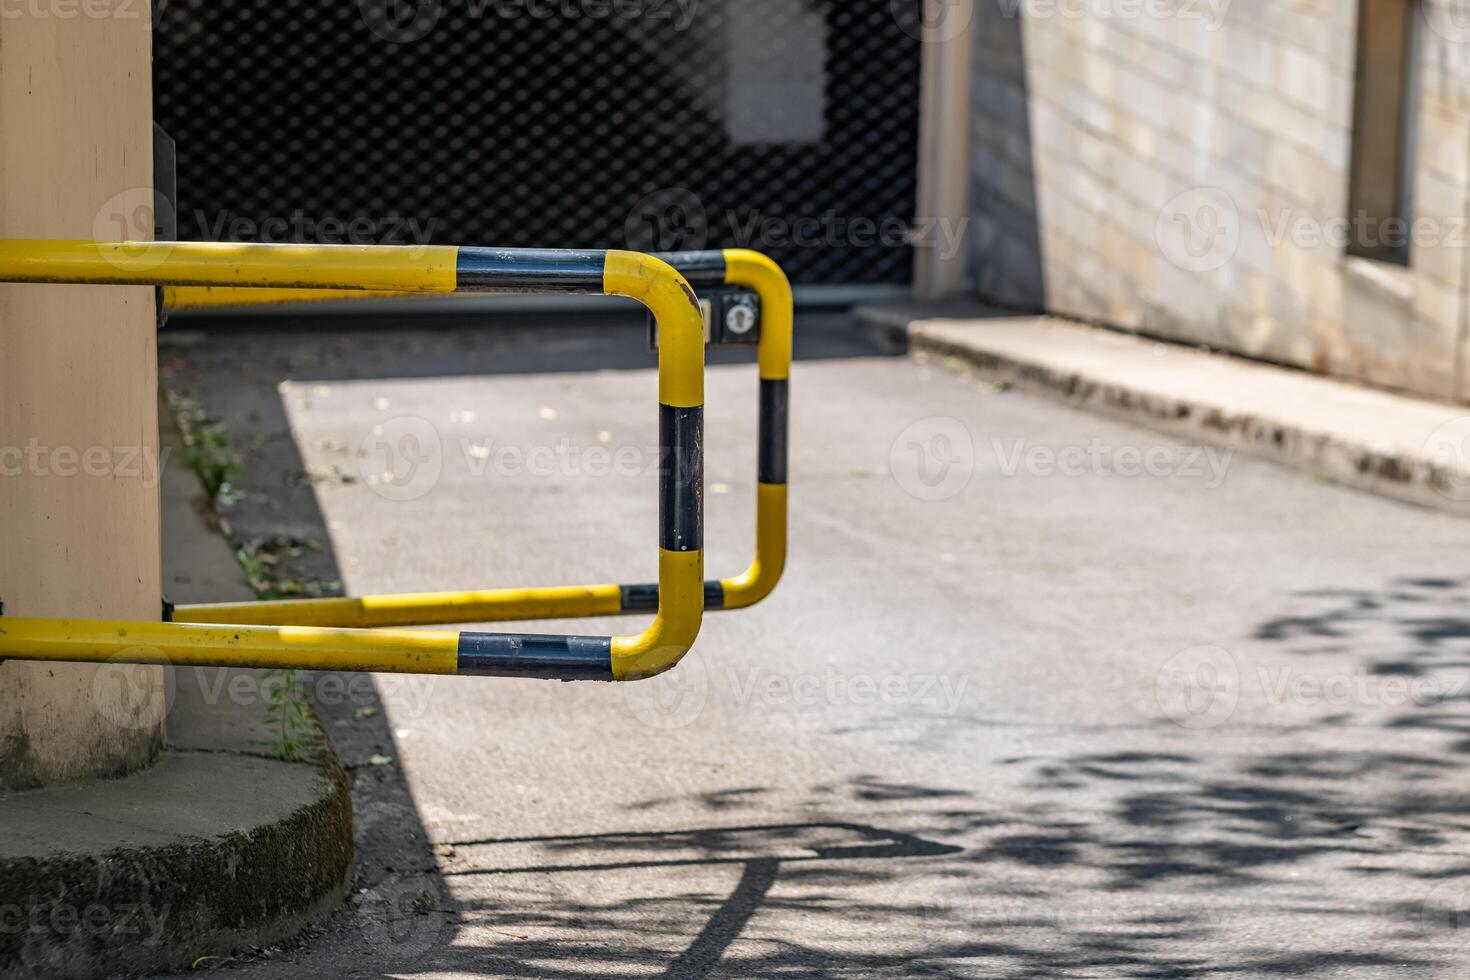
<point>1042,694</point>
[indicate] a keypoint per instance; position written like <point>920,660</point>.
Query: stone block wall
<point>1181,167</point>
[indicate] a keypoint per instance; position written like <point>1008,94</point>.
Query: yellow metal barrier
<point>732,267</point>
<point>645,278</point>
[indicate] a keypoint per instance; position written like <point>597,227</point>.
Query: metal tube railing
<point>730,267</point>
<point>422,269</point>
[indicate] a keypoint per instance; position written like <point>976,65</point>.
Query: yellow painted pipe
<point>743,268</point>
<point>412,268</point>
<point>423,609</point>
<point>651,281</point>
<point>290,647</point>
<point>753,270</point>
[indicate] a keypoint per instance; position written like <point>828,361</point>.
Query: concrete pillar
<point>79,505</point>
<point>947,32</point>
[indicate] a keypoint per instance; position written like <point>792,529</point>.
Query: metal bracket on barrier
<point>165,204</point>
<point>732,318</point>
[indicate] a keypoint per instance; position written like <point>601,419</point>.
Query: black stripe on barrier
<point>541,269</point>
<point>563,658</point>
<point>640,598</point>
<point>699,268</point>
<point>773,430</point>
<point>644,598</point>
<point>681,478</point>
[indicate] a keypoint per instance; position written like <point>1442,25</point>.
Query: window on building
<point>1385,130</point>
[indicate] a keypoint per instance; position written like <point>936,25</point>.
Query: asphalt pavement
<point>1041,695</point>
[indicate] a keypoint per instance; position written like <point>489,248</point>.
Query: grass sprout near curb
<point>287,713</point>
<point>208,451</point>
<point>211,455</point>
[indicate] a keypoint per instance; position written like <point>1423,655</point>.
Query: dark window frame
<point>1385,131</point>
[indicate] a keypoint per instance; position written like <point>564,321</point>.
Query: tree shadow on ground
<point>1151,863</point>
<point>1369,836</point>
<point>1148,863</point>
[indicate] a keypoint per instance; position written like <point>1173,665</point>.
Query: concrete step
<point>219,846</point>
<point>1402,447</point>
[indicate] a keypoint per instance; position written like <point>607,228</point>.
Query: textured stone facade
<point>1182,167</point>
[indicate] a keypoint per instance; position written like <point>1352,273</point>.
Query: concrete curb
<point>1388,444</point>
<point>218,847</point>
<point>202,854</point>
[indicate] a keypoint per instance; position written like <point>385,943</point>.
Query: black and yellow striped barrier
<point>416,269</point>
<point>730,267</point>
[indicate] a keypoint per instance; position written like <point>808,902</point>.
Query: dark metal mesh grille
<point>785,125</point>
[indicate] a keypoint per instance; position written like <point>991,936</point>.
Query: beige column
<point>79,505</point>
<point>948,38</point>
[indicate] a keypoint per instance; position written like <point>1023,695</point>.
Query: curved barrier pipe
<point>437,269</point>
<point>752,270</point>
<point>730,267</point>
